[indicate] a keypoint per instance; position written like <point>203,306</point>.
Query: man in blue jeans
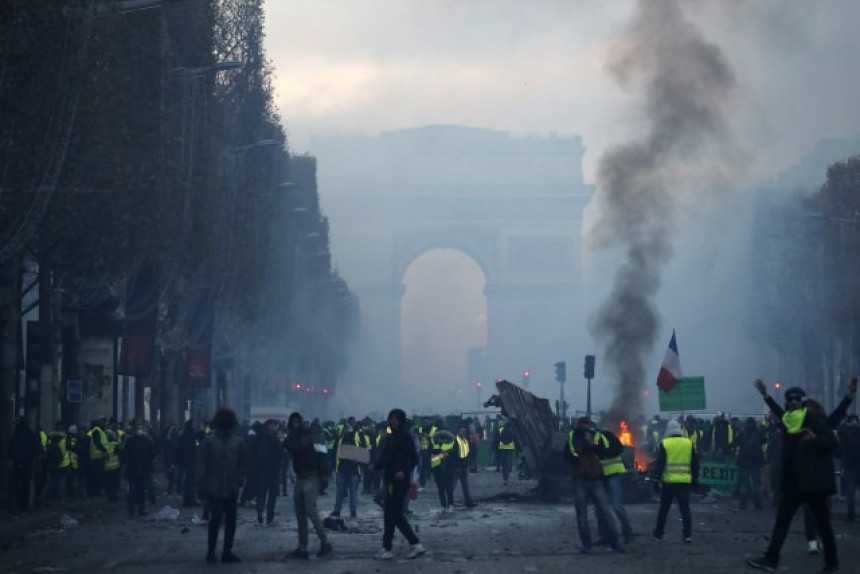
<point>348,472</point>
<point>584,456</point>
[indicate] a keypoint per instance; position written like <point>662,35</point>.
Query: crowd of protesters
<point>220,465</point>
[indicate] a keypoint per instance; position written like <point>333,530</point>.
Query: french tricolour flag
<point>670,372</point>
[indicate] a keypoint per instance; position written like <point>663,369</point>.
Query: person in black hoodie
<point>309,464</point>
<point>267,462</point>
<point>24,448</point>
<point>397,459</point>
<point>750,459</point>
<point>220,471</point>
<point>138,457</point>
<point>806,472</point>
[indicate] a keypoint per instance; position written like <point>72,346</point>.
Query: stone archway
<point>514,205</point>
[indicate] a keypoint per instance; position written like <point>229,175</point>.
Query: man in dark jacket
<point>461,464</point>
<point>220,472</point>
<point>21,455</point>
<point>806,473</point>
<point>397,460</point>
<point>749,446</point>
<point>138,457</point>
<point>849,443</point>
<point>587,472</point>
<point>309,464</point>
<point>267,466</point>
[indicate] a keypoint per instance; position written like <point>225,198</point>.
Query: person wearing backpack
<point>506,449</point>
<point>609,454</point>
<point>57,462</point>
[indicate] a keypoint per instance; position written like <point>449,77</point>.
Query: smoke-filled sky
<point>362,67</point>
<point>533,67</point>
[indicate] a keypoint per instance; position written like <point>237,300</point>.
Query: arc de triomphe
<point>512,204</point>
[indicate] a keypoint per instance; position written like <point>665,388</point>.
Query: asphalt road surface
<point>509,531</point>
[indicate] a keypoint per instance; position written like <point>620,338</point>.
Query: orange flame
<point>640,459</point>
<point>624,434</point>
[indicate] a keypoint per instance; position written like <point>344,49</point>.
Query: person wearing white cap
<point>678,469</point>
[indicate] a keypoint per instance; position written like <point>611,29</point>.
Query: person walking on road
<point>397,460</point>
<point>310,464</point>
<point>677,468</point>
<point>220,472</point>
<point>267,461</point>
<point>806,475</point>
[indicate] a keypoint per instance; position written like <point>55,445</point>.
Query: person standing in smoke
<point>397,460</point>
<point>587,471</point>
<point>220,472</point>
<point>267,461</point>
<point>677,468</point>
<point>311,467</point>
<point>806,473</point>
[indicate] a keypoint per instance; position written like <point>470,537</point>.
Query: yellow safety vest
<point>679,456</point>
<point>612,465</point>
<point>464,447</point>
<point>505,445</point>
<point>112,462</point>
<point>444,449</point>
<point>43,436</point>
<point>71,451</point>
<point>95,453</point>
<point>426,437</point>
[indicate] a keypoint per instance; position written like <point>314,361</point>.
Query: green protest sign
<point>688,395</point>
<point>720,476</point>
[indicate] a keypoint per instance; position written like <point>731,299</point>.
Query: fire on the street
<point>640,461</point>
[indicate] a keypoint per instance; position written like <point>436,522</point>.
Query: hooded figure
<point>806,473</point>
<point>677,467</point>
<point>397,460</point>
<point>220,474</point>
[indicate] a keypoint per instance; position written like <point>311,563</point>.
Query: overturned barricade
<point>541,441</point>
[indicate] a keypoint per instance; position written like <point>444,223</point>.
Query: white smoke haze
<point>786,81</point>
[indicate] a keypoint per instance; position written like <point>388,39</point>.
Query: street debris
<point>67,521</point>
<point>166,513</point>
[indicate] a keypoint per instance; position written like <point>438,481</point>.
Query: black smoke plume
<point>683,85</point>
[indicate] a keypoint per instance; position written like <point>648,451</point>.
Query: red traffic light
<point>527,374</point>
<point>479,384</point>
<point>325,391</point>
<point>777,385</point>
<point>298,386</point>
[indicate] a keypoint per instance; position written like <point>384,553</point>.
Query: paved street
<point>503,534</point>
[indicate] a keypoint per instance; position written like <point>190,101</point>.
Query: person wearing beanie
<point>677,468</point>
<point>806,475</point>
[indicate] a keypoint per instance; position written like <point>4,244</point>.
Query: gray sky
<point>363,66</point>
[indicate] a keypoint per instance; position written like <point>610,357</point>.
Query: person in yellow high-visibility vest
<point>441,465</point>
<point>677,468</point>
<point>56,463</point>
<point>98,454</point>
<point>461,464</point>
<point>609,454</point>
<point>112,467</point>
<point>506,449</point>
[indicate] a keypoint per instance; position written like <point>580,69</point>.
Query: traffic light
<point>776,385</point>
<point>526,378</point>
<point>561,371</point>
<point>589,366</point>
